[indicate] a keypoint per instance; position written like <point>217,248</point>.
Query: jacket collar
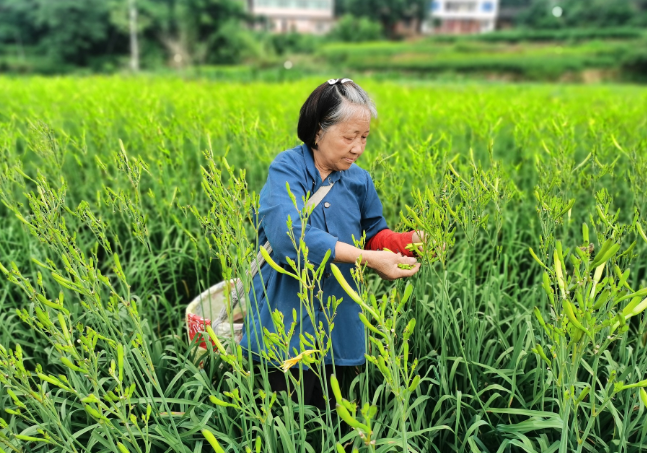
<point>308,154</point>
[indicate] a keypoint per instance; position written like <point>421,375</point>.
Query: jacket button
<point>326,204</point>
<point>327,274</point>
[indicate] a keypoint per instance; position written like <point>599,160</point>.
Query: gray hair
<point>354,101</point>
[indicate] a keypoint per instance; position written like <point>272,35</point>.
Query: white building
<point>462,16</point>
<point>303,16</point>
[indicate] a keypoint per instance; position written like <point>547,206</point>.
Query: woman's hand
<point>383,262</point>
<point>386,264</point>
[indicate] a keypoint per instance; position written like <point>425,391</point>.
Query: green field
<point>118,209</point>
<point>523,60</point>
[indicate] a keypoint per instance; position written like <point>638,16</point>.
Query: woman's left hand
<point>386,264</point>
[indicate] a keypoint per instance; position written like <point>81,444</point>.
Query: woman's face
<point>343,143</point>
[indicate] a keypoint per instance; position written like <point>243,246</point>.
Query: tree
<point>64,31</point>
<point>580,13</point>
<point>15,25</point>
<point>196,31</point>
<point>75,43</point>
<point>356,29</point>
<point>188,31</point>
<point>538,15</point>
<point>82,32</point>
<point>386,12</point>
<point>598,13</point>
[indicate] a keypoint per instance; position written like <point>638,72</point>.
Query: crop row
<point>124,199</point>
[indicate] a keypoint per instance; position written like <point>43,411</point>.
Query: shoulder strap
<point>256,264</point>
<point>319,195</point>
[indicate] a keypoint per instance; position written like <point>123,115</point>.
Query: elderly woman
<point>334,124</point>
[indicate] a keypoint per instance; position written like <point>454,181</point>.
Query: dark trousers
<point>313,393</point>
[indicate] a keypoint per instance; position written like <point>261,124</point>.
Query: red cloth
<point>396,242</point>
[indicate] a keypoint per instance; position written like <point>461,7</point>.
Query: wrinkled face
<point>343,143</point>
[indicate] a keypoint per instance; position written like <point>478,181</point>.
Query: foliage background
<point>35,35</point>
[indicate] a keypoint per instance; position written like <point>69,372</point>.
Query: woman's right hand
<point>386,264</point>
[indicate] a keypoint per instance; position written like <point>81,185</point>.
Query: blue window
<point>487,6</point>
<point>435,6</point>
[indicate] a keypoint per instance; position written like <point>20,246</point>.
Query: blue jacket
<point>350,208</point>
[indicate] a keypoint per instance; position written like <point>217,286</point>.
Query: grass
<point>118,209</point>
<point>525,60</point>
